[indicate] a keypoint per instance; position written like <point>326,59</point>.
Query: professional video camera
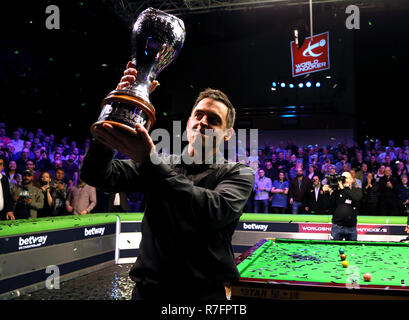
<point>333,179</point>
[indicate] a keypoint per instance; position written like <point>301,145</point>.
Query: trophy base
<point>124,111</point>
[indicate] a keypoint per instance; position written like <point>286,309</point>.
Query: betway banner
<point>326,228</point>
<point>313,55</point>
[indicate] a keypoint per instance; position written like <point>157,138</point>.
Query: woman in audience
<point>279,191</point>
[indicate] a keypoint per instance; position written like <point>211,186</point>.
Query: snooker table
<point>312,269</point>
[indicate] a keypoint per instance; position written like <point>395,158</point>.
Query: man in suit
<point>6,201</point>
<point>118,202</point>
<point>317,200</point>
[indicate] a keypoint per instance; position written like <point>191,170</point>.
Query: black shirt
<point>190,215</point>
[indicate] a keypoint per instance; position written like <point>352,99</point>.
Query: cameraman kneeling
<point>344,202</point>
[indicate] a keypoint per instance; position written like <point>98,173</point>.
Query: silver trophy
<point>157,38</point>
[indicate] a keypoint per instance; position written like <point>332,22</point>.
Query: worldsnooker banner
<point>313,55</point>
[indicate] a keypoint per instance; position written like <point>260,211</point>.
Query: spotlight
<point>300,85</point>
<point>274,84</point>
<point>291,85</point>
<point>308,84</point>
<point>282,85</point>
<point>318,84</point>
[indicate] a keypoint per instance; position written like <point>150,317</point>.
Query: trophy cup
<point>157,38</point>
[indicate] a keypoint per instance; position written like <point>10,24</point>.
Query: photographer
<point>344,201</point>
<point>28,198</point>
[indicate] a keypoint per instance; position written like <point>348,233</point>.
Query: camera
<point>333,179</point>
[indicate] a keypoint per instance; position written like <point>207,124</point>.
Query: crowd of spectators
<point>43,177</point>
<point>288,178</point>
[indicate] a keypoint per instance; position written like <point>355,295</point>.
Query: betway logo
<point>94,231</point>
<point>255,226</point>
<point>31,242</point>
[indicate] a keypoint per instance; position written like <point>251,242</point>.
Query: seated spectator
<point>388,186</point>
<point>388,152</point>
<point>343,165</point>
<point>41,161</point>
<point>357,162</point>
<point>45,182</point>
<point>262,187</point>
<point>400,170</point>
<point>370,196</point>
<point>59,193</point>
<point>279,192</point>
<point>281,164</point>
<point>298,190</point>
<point>6,204</point>
<point>81,199</point>
<point>17,142</point>
<point>317,201</point>
<point>28,199</point>
<point>312,171</point>
<point>380,173</point>
<point>403,195</point>
<point>4,140</point>
<point>71,170</point>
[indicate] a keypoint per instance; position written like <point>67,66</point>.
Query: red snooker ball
<point>343,256</point>
<point>367,277</point>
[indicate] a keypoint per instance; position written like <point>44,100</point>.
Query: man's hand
<point>341,185</point>
<point>389,185</point>
<point>10,216</point>
<point>84,212</point>
<point>28,201</point>
<point>407,229</point>
<point>130,76</point>
<point>69,208</point>
<point>291,201</point>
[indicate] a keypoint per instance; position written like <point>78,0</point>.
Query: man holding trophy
<point>194,200</point>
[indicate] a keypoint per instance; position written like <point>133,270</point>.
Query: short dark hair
<point>221,97</point>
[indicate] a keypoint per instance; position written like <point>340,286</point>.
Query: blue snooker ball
<point>341,251</point>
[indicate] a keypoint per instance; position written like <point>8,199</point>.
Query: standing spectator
<point>81,199</point>
<point>380,173</point>
<point>4,140</point>
<point>21,162</point>
<point>311,172</point>
<point>279,194</point>
<point>59,193</point>
<point>370,196</point>
<point>403,195</point>
<point>316,199</point>
<point>343,203</point>
<point>6,202</point>
<point>298,191</point>
<point>28,198</point>
<point>45,182</point>
<point>17,142</point>
<point>262,187</point>
<point>388,186</point>
<point>42,163</point>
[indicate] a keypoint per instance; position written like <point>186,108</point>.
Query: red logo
<point>313,55</point>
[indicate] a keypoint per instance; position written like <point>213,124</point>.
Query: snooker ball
<point>341,251</point>
<point>345,263</point>
<point>343,256</point>
<point>367,277</point>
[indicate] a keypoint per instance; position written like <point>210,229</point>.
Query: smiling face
<point>207,125</point>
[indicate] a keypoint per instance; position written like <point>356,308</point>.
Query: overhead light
<point>300,85</point>
<point>308,84</point>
